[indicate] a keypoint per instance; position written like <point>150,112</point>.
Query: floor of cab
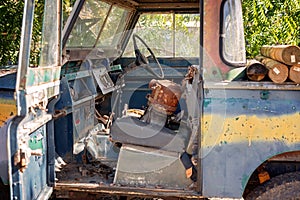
<point>95,172</point>
<point>77,179</point>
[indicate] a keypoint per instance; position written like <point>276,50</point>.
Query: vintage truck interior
<point>128,104</point>
<point>145,99</point>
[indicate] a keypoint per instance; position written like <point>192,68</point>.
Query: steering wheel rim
<point>141,60</point>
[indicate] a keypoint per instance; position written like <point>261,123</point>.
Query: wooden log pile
<point>277,71</point>
<point>286,54</point>
<point>279,62</point>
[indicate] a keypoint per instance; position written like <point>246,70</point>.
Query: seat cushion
<point>130,130</point>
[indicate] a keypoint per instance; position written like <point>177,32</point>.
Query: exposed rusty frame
<point>169,5</point>
<point>287,157</point>
<point>124,3</point>
<point>124,191</point>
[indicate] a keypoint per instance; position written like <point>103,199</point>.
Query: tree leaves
<point>270,22</point>
<point>265,21</point>
<point>10,30</point>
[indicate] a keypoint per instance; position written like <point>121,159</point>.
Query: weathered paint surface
<point>214,66</point>
<point>240,130</point>
<point>32,182</point>
<point>41,75</point>
<point>251,128</point>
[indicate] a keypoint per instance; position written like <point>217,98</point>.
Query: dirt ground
<point>7,110</point>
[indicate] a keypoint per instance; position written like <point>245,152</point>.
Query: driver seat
<point>150,131</point>
<point>131,130</point>
<point>151,153</point>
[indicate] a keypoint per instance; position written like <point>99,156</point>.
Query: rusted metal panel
<point>28,137</point>
<point>212,60</point>
<point>8,107</point>
<point>30,170</point>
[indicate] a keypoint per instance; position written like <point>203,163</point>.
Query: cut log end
<point>291,55</point>
<point>256,77</point>
<point>294,73</point>
<point>256,71</point>
<point>279,73</point>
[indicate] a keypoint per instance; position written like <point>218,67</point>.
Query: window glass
<point>113,27</point>
<point>169,35</point>
<point>99,24</point>
<point>50,36</point>
<point>232,37</point>
<point>88,24</point>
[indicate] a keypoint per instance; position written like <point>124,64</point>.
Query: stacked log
<point>280,62</point>
<point>294,73</point>
<point>287,54</point>
<point>255,70</point>
<point>278,72</point>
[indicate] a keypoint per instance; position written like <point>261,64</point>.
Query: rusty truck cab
<point>146,98</point>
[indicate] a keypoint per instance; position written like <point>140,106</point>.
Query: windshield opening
<point>99,25</point>
<point>168,35</point>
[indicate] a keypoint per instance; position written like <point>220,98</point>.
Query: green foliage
<point>269,22</point>
<point>265,21</point>
<point>67,8</point>
<point>10,30</point>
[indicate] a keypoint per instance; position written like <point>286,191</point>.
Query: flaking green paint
<point>35,144</point>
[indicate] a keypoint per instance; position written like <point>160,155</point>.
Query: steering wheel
<point>141,59</point>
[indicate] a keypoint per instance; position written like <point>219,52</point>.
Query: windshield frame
<point>73,20</point>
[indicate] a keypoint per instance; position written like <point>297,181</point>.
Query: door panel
<point>30,135</point>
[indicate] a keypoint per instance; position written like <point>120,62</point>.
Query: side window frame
<point>229,55</point>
